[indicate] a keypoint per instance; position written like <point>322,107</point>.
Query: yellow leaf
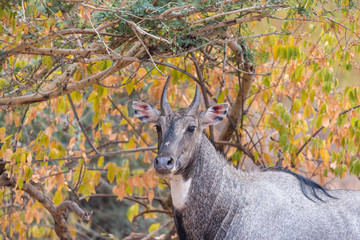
<point>57,198</point>
<point>59,13</point>
<point>101,162</point>
<point>132,212</point>
<point>2,133</point>
<point>267,158</point>
<point>153,227</point>
<point>111,168</point>
<point>77,75</point>
<point>276,51</point>
<point>325,156</point>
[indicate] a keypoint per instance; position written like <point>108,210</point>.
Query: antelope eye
<point>190,129</point>
<point>158,128</point>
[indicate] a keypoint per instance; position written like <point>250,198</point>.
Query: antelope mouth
<point>164,175</point>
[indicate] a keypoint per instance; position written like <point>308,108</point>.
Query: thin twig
<point>113,195</point>
<point>238,146</point>
<point>123,116</point>
<point>307,141</point>
<point>147,51</point>
<point>81,125</point>
<point>153,211</point>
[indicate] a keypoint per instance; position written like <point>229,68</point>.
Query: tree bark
<point>237,109</point>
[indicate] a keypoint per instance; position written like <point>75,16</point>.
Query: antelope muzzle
<point>164,164</point>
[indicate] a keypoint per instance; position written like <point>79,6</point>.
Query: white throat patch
<point>179,190</point>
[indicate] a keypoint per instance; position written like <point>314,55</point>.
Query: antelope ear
<point>213,114</point>
<point>145,112</point>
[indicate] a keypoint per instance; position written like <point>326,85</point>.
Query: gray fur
<point>226,203</point>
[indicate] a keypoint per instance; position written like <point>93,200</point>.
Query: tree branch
<point>61,227</point>
<point>36,97</point>
<point>108,154</point>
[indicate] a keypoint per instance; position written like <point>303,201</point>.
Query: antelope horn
<point>164,104</point>
<point>195,103</point>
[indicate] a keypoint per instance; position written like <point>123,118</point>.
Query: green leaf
<point>289,53</point>
<point>283,140</point>
<point>266,81</point>
<point>28,173</point>
<point>20,182</point>
<point>312,95</point>
<point>318,122</point>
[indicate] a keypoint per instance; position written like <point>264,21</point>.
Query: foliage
<point>69,69</point>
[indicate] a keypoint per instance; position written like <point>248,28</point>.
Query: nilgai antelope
<point>214,200</point>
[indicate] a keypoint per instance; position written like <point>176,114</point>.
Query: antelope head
<point>179,132</point>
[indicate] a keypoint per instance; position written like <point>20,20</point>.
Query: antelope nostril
<point>170,163</point>
<point>164,164</point>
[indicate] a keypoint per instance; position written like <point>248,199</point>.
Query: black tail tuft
<point>303,183</point>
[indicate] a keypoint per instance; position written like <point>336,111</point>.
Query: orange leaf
<point>151,196</point>
<point>119,190</point>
